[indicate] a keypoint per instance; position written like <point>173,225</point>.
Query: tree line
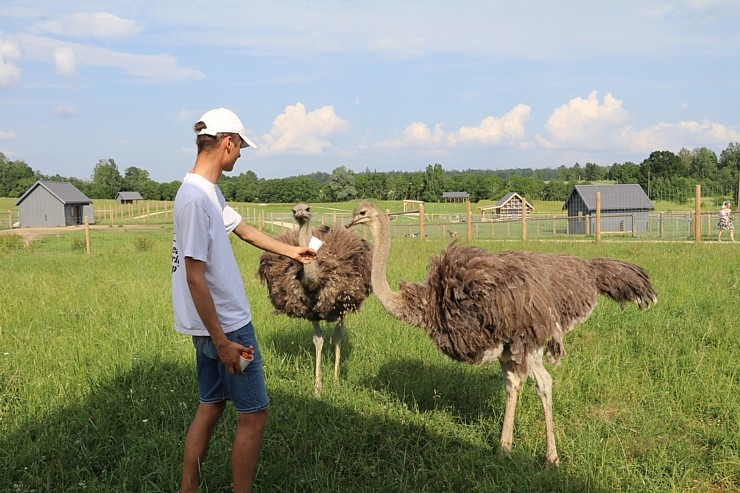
<point>661,174</point>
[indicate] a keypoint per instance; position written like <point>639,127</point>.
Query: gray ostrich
<point>478,306</point>
<point>336,283</point>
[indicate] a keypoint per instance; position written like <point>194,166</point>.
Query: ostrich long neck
<point>392,301</point>
<point>310,271</point>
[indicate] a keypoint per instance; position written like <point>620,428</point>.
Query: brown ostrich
<point>336,283</point>
<point>478,306</point>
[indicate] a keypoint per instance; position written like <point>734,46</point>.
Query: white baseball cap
<point>221,120</point>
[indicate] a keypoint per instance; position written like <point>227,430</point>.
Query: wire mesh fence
<point>431,221</point>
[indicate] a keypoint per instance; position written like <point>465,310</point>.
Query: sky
<point>369,85</point>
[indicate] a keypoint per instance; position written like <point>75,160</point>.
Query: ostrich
<point>514,307</point>
<point>336,283</point>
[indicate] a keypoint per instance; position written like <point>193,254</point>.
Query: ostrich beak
<point>355,220</point>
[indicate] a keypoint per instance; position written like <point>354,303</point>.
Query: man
<point>210,303</point>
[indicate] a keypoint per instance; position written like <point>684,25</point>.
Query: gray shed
<point>623,208</point>
<point>128,197</point>
<point>456,196</point>
<point>54,203</point>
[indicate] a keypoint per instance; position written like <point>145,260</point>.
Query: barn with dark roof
<point>128,197</point>
<point>54,203</point>
<point>455,196</point>
<point>624,208</point>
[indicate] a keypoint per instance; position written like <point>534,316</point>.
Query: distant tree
<point>167,191</point>
<point>433,183</point>
<point>137,180</point>
<point>396,185</point>
<point>133,175</point>
<point>371,185</point>
<point>703,163</point>
<point>626,174</point>
<point>556,190</point>
<point>686,157</point>
<point>416,185</point>
<point>662,164</point>
<point>342,185</point>
<point>526,187</point>
<point>15,177</point>
<point>594,172</point>
<point>106,180</point>
<point>565,173</point>
<point>247,186</point>
<point>577,173</point>
<point>730,157</point>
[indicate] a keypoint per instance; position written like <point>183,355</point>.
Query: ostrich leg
<point>338,335</point>
<point>318,341</point>
<point>512,383</point>
<point>544,390</point>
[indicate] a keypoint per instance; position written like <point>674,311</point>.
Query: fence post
<point>524,219</point>
<point>697,216</point>
<point>421,221</point>
<point>469,221</point>
<point>87,236</point>
<point>662,229</point>
<point>598,217</point>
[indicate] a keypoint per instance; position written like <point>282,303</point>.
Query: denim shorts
<point>215,384</point>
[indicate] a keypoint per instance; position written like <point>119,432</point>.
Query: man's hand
<point>304,255</point>
<point>229,352</point>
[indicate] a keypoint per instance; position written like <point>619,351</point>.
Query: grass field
<point>97,390</point>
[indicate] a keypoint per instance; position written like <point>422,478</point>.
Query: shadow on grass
<point>430,385</point>
<point>126,435</point>
<point>295,338</point>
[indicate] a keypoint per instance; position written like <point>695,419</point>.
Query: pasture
<point>97,390</point>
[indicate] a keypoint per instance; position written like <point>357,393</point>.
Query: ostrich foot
<point>551,462</point>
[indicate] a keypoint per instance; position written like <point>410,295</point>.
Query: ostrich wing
<point>343,265</point>
<point>477,300</point>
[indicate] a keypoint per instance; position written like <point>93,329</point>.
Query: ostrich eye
<point>308,209</point>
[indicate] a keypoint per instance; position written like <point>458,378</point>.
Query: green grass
<point>97,390</point>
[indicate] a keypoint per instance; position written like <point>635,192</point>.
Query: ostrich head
<point>366,213</point>
<point>302,213</point>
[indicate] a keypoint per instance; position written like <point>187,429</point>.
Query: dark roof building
<point>624,208</point>
<point>455,196</point>
<point>128,197</point>
<point>54,203</point>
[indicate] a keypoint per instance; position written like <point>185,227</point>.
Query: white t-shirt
<point>202,224</point>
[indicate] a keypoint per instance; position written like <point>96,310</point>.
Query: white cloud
<point>66,62</point>
<point>101,25</point>
<point>8,135</point>
<point>588,124</point>
<point>10,73</point>
<point>672,136</point>
<point>65,110</point>
<point>418,134</point>
<point>299,132</point>
<point>509,130</point>
<point>156,67</point>
<point>584,123</point>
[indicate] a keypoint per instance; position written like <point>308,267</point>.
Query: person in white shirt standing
<point>210,303</point>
